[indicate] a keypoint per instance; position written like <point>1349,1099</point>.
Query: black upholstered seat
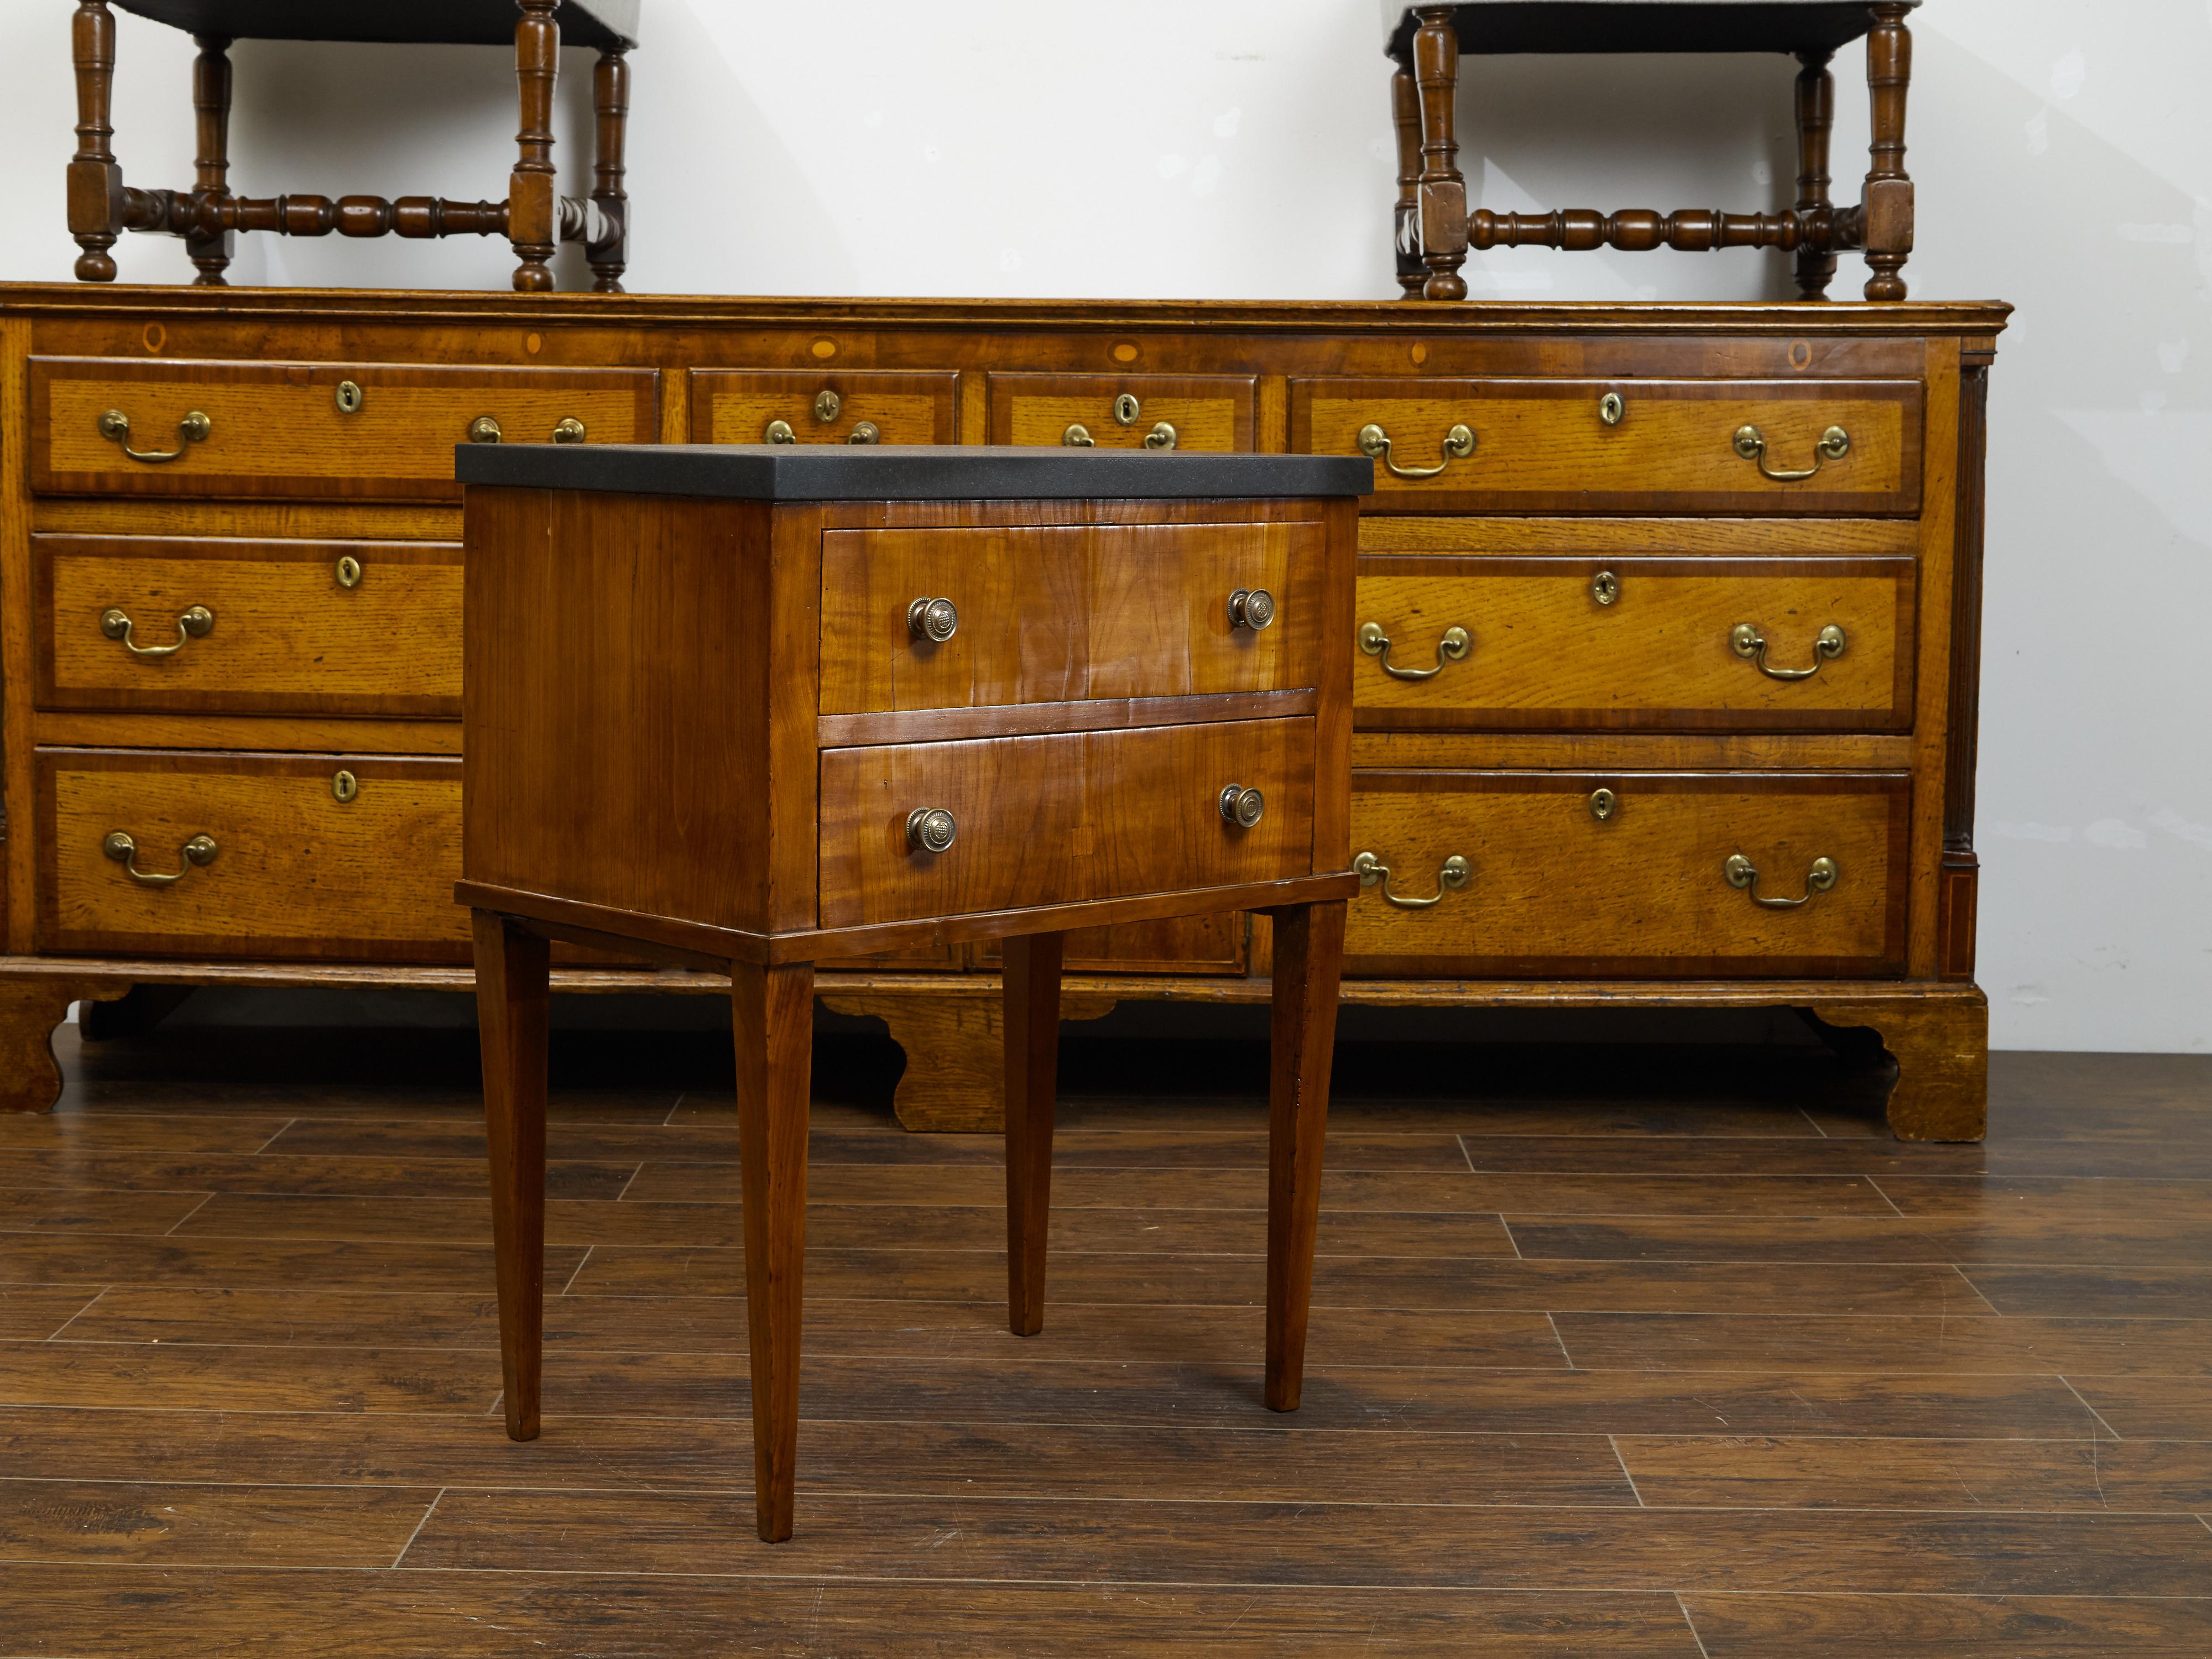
<point>609,25</point>
<point>1492,26</point>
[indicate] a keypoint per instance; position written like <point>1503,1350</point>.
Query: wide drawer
<point>359,431</point>
<point>294,871</point>
<point>809,406</point>
<point>1123,411</point>
<point>1060,819</point>
<point>1556,879</point>
<point>1676,446</point>
<point>1639,643</point>
<point>1043,615</point>
<point>246,627</point>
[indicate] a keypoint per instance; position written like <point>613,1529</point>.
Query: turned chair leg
<point>771,1014</point>
<point>512,1003</point>
<point>609,253</point>
<point>95,183</point>
<point>208,245</point>
<point>1406,222</point>
<point>1888,189</point>
<point>1309,963</point>
<point>1032,1027</point>
<point>1443,193</point>
<point>1816,120</point>
<point>530,209</point>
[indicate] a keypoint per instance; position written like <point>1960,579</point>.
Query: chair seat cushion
<point>601,23</point>
<point>1491,26</point>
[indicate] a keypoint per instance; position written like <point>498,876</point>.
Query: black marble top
<point>1492,26</point>
<point>908,472</point>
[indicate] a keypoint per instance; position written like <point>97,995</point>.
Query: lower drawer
<point>294,870</point>
<point>1060,819</point>
<point>1635,875</point>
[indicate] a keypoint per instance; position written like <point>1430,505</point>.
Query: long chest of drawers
<point>1664,681</point>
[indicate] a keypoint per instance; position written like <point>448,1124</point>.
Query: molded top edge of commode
<point>909,472</point>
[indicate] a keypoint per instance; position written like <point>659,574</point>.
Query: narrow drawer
<point>1123,411</point>
<point>1676,446</point>
<point>243,627</point>
<point>1641,643</point>
<point>294,429</point>
<point>295,871</point>
<point>1067,614</point>
<point>1060,819</point>
<point>1555,879</point>
<point>749,406</point>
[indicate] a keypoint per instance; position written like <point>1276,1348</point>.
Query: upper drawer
<point>1642,643</point>
<point>1123,411</point>
<point>241,627</point>
<point>1760,446</point>
<point>279,429</point>
<point>1066,614</point>
<point>1060,819</point>
<point>748,405</point>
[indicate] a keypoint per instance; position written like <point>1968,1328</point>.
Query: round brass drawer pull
<point>1612,409</point>
<point>484,430</point>
<point>865,432</point>
<point>567,430</point>
<point>1603,804</point>
<point>115,427</point>
<point>1743,874</point>
<point>1751,444</point>
<point>1748,642</point>
<point>348,398</point>
<point>1452,648</point>
<point>193,624</point>
<point>930,829</point>
<point>343,786</point>
<point>934,620</point>
<point>1251,607</point>
<point>1375,442</point>
<point>1162,436</point>
<point>348,572</point>
<point>1077,437</point>
<point>199,850</point>
<point>1127,409</point>
<point>1240,806</point>
<point>779,432</point>
<point>1605,587</point>
<point>826,405</point>
<point>1453,873</point>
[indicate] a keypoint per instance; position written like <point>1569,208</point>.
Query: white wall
<point>1241,149</point>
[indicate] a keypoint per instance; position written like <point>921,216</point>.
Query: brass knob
<point>1611,409</point>
<point>1162,436</point>
<point>567,430</point>
<point>930,829</point>
<point>1127,409</point>
<point>826,405</point>
<point>865,432</point>
<point>1077,437</point>
<point>1605,587</point>
<point>934,620</point>
<point>1251,607</point>
<point>1240,806</point>
<point>348,398</point>
<point>348,572</point>
<point>779,432</point>
<point>484,430</point>
<point>344,786</point>
<point>1603,804</point>
<point>200,850</point>
<point>193,625</point>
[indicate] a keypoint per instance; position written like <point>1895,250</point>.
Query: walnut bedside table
<point>746,708</point>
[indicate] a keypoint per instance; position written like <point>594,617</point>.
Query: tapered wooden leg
<point>1032,1023</point>
<point>511,1010</point>
<point>1302,1034</point>
<point>772,1013</point>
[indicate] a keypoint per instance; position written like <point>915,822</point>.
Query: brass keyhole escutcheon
<point>1603,804</point>
<point>826,405</point>
<point>779,432</point>
<point>1605,587</point>
<point>348,398</point>
<point>567,430</point>
<point>1612,409</point>
<point>348,572</point>
<point>484,430</point>
<point>1127,409</point>
<point>1077,437</point>
<point>344,786</point>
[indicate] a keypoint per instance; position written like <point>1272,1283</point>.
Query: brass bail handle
<point>1748,642</point>
<point>1453,873</point>
<point>1452,648</point>
<point>1375,442</point>
<point>115,427</point>
<point>1743,874</point>
<point>193,625</point>
<point>199,850</point>
<point>1751,444</point>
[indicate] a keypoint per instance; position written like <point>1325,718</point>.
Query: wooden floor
<point>1611,1356</point>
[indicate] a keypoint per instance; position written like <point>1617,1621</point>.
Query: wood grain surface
<point>735,406</point>
<point>250,1374</point>
<point>1206,412</point>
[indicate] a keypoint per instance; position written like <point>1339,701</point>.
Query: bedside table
<point>745,708</point>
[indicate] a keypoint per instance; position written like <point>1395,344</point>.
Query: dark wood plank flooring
<point>1612,1353</point>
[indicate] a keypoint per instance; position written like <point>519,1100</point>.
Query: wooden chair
<point>1434,230</point>
<point>101,206</point>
